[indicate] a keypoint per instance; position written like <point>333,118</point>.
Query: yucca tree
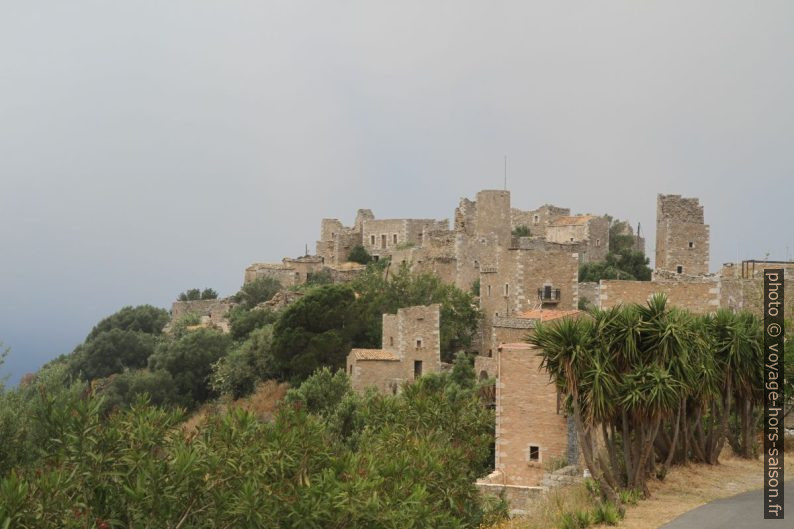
<point>738,351</point>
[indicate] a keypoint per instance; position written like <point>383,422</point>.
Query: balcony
<point>549,295</point>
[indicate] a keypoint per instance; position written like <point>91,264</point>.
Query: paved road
<point>738,512</point>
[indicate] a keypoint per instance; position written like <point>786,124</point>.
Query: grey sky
<point>147,147</point>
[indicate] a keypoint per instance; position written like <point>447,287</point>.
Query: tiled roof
<point>374,354</point>
<point>547,314</point>
<point>576,220</point>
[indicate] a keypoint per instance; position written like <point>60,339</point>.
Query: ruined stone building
<point>587,233</point>
<point>211,312</point>
<point>411,347</point>
<point>682,237</point>
<point>682,268</point>
<point>289,272</point>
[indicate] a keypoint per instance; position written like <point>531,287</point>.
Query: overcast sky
<point>147,147</point>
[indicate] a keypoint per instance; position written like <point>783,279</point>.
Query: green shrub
<point>257,291</point>
<point>243,321</point>
<point>359,254</point>
<point>237,373</point>
<point>521,231</point>
<point>135,468</point>
<point>631,497</point>
<point>606,513</point>
<point>189,360</point>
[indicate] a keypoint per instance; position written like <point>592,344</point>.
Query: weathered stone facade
<point>700,295</point>
<point>289,272</point>
<point>537,220</point>
<point>682,237</point>
<point>589,233</point>
<point>543,275</point>
<point>411,347</point>
<point>531,425</point>
<point>212,312</point>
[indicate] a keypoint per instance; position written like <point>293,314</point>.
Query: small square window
<point>395,238</point>
<point>691,244</point>
<point>372,240</point>
<point>598,242</point>
<point>536,219</point>
<point>419,343</point>
<point>534,453</point>
<point>679,269</point>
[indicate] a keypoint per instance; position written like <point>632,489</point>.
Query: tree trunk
<point>674,443</point>
<point>641,473</point>
<point>627,448</point>
<point>586,444</point>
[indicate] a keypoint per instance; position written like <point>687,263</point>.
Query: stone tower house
<point>682,237</point>
<point>411,348</point>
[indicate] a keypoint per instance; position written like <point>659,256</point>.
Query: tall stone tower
<point>682,237</point>
<point>493,214</point>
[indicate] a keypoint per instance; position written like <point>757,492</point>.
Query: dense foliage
<point>383,293</point>
<point>622,262</point>
<point>189,360</point>
<point>317,330</point>
<point>521,231</point>
<point>143,318</point>
<point>657,385</point>
<point>359,254</point>
<point>137,468</point>
<point>194,294</point>
<point>257,291</point>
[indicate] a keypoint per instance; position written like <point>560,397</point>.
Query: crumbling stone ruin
<point>682,268</point>
<point>682,237</point>
<point>411,347</point>
<point>211,312</point>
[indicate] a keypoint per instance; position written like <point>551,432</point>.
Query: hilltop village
<point>524,265</point>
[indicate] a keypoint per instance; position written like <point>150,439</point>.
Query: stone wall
<point>528,413</point>
<point>590,292</point>
<point>701,296</point>
<point>215,310</point>
<point>509,330</point>
<point>519,498</point>
<point>485,367</point>
<point>747,294</point>
<point>682,237</point>
<point>411,345</point>
<point>383,375</point>
<point>381,237</point>
<point>589,232</point>
<point>539,219</point>
<point>289,272</point>
<point>511,287</point>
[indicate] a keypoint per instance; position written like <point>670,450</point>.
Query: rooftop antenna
<point>505,172</point>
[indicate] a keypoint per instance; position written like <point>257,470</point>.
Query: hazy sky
<point>147,147</point>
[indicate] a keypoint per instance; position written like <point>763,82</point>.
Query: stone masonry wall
<point>526,414</point>
<point>512,286</point>
<point>682,237</point>
<point>589,291</point>
<point>215,309</point>
<point>701,296</point>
